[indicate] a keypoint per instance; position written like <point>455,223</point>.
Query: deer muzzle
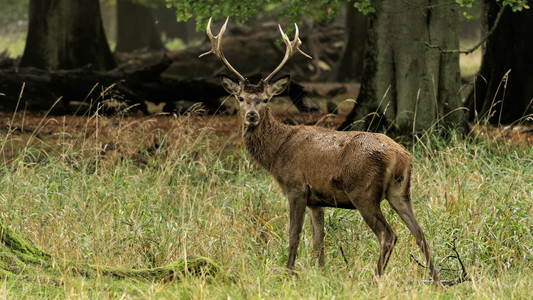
<point>252,118</point>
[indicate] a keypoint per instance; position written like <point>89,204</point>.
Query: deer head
<point>253,98</point>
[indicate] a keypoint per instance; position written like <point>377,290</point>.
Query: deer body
<point>304,156</point>
<point>317,167</point>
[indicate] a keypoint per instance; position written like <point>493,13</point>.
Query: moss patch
<point>18,256</point>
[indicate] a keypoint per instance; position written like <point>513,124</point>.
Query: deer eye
<point>241,99</point>
<point>265,100</point>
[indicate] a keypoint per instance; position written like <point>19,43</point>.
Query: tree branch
<point>474,48</point>
<point>454,248</point>
<point>464,275</point>
<point>343,256</point>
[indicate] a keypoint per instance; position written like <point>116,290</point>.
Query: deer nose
<point>252,116</point>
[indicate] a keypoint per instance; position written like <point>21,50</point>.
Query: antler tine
<point>292,47</point>
<point>216,47</point>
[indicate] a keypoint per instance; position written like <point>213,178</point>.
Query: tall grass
<point>132,193</point>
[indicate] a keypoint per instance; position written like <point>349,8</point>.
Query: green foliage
<point>205,9</point>
<point>466,3</point>
<point>293,10</point>
<point>323,10</point>
<point>516,5</point>
<point>364,6</point>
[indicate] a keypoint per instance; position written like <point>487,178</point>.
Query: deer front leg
<point>297,204</point>
<point>317,222</point>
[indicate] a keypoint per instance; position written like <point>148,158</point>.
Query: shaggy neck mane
<point>265,140</point>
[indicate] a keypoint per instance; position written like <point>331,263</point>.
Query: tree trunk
<point>65,34</point>
<point>350,66</point>
<point>136,28</point>
<point>408,86</point>
<point>503,89</point>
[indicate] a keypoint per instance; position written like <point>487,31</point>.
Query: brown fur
<point>317,167</point>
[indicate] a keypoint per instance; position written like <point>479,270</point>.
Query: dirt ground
<point>132,133</point>
<point>48,129</point>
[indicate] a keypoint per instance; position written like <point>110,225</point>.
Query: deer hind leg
<point>317,222</point>
<point>370,210</point>
<point>386,236</point>
<point>400,200</point>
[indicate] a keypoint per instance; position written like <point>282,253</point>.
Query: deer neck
<point>265,140</point>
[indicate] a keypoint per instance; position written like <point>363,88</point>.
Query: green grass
<point>168,194</point>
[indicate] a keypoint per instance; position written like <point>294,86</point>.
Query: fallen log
<point>86,91</point>
<point>94,89</point>
<point>20,257</point>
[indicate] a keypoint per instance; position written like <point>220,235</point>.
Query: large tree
<point>503,89</point>
<point>407,85</point>
<point>65,34</point>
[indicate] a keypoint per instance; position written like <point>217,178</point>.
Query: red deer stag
<point>317,167</point>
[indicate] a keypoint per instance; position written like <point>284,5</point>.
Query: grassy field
<point>134,194</point>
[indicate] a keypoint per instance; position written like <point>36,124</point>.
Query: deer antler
<point>216,47</point>
<point>292,47</point>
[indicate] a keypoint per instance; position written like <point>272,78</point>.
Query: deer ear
<point>231,86</point>
<point>278,86</point>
